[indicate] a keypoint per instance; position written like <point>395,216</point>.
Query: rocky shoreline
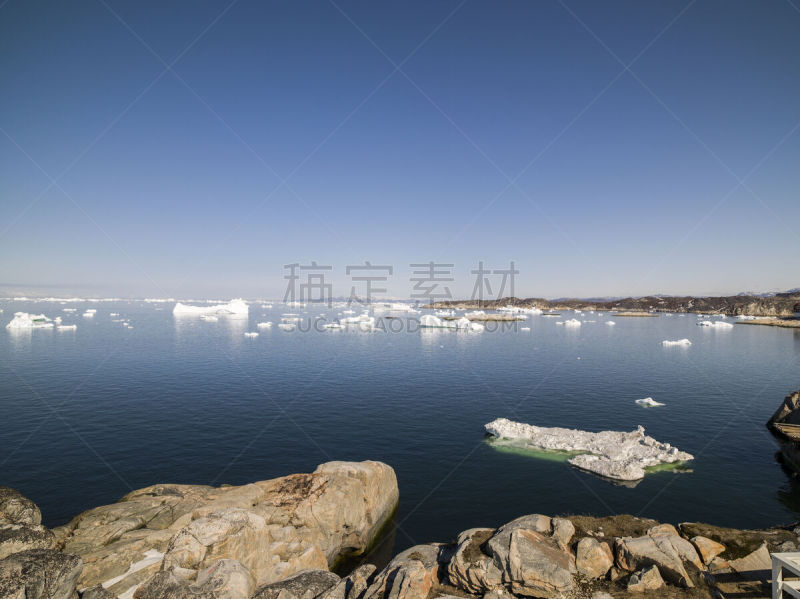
<point>779,305</point>
<point>280,539</point>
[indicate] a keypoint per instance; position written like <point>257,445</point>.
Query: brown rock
<point>707,548</point>
<point>15,508</point>
<point>593,558</point>
<point>274,528</point>
<point>662,548</point>
<point>410,575</point>
<point>470,569</point>
<point>648,579</point>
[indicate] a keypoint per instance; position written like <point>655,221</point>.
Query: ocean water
<point>90,414</point>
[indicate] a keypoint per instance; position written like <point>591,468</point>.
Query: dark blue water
<point>91,414</point>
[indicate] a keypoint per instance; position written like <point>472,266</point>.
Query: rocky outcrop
<point>39,574</point>
<point>274,528</point>
<point>20,524</point>
<point>788,412</point>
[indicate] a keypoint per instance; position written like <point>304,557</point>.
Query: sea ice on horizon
<point>612,454</point>
<point>236,306</point>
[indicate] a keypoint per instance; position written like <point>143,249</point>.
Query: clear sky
<point>191,149</point>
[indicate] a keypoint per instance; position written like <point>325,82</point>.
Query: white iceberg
<point>682,342</point>
<point>716,325</point>
<point>70,310</point>
<point>475,314</point>
<point>430,321</point>
<point>445,313</point>
<point>612,454</point>
<point>66,327</point>
<point>526,329</point>
<point>572,322</point>
<point>237,306</point>
<point>649,402</point>
<point>610,323</point>
<point>285,326</point>
<point>251,334</point>
<point>745,317</point>
<point>264,325</point>
<point>23,320</point>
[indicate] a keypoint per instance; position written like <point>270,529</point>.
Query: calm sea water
<point>91,414</point>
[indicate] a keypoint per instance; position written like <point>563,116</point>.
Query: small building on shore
<point>797,310</point>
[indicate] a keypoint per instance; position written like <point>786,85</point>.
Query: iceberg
<point>264,325</point>
<point>649,402</point>
<point>66,327</point>
<point>251,335</point>
<point>572,322</point>
<point>526,329</point>
<point>236,306</point>
<point>610,323</point>
<point>285,326</point>
<point>475,314</point>
<point>716,325</point>
<point>612,454</point>
<point>683,342</point>
<point>23,320</point>
<point>745,317</point>
<point>69,310</point>
<point>430,321</point>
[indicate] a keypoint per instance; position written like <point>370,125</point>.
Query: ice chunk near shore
<point>649,402</point>
<point>234,307</point>
<point>745,317</point>
<point>23,320</point>
<point>475,314</point>
<point>612,454</point>
<point>682,342</point>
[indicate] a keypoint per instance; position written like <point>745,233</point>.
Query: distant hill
<point>779,304</point>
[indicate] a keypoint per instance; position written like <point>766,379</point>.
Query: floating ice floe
<point>445,313</point>
<point>572,322</point>
<point>612,454</point>
<point>66,327</point>
<point>264,325</point>
<point>610,323</point>
<point>333,326</point>
<point>236,307</point>
<point>285,326</point>
<point>683,342</point>
<point>69,310</point>
<point>23,320</point>
<point>526,329</point>
<point>475,314</point>
<point>649,402</point>
<point>745,317</point>
<point>251,334</point>
<point>114,314</point>
<point>716,325</point>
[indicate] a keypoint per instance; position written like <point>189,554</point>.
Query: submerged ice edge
<point>612,454</point>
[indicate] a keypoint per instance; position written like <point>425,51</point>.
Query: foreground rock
<point>39,574</point>
<point>612,454</point>
<point>273,528</point>
<point>21,524</point>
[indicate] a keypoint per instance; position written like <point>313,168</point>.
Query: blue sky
<point>192,149</point>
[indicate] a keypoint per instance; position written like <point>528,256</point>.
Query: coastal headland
<point>777,306</point>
